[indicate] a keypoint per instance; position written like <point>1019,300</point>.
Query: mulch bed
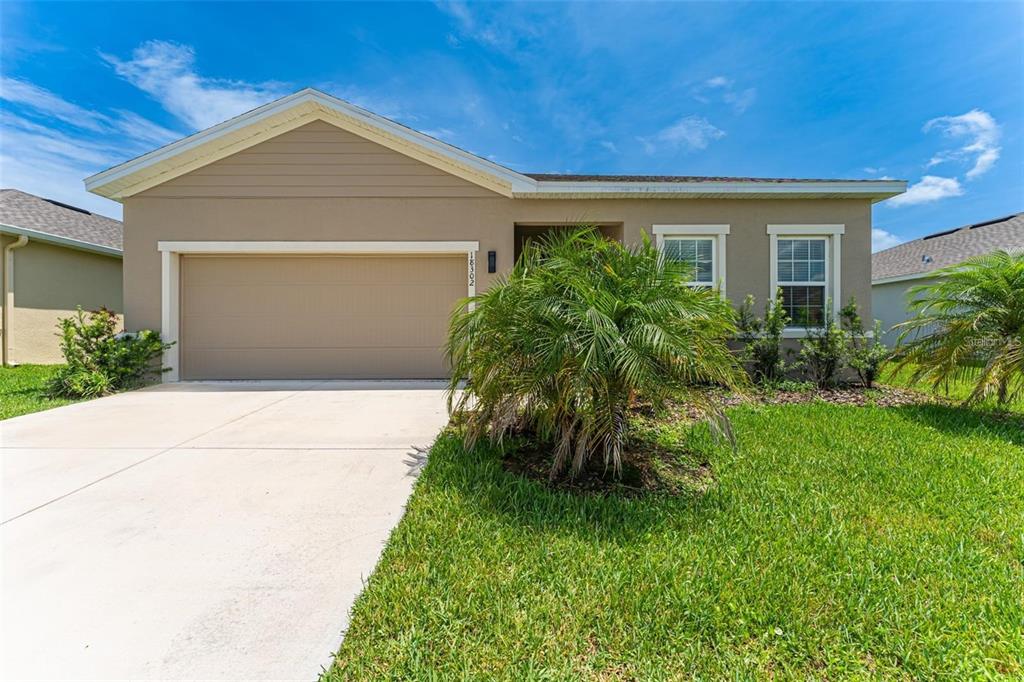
<point>881,396</point>
<point>852,395</point>
<point>644,471</point>
<point>648,469</point>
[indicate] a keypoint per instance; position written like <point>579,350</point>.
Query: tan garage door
<point>317,317</point>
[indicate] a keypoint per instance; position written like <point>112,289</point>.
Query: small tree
<point>970,326</point>
<point>101,361</point>
<point>866,352</point>
<point>762,339</point>
<point>562,346</point>
<point>823,350</point>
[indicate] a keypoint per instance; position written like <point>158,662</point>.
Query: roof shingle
<point>560,177</point>
<point>29,212</point>
<point>949,247</point>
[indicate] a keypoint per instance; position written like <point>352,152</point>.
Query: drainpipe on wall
<point>8,296</point>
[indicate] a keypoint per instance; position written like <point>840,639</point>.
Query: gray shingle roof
<point>560,177</point>
<point>29,212</point>
<point>949,247</point>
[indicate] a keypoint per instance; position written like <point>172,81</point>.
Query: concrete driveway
<point>214,531</point>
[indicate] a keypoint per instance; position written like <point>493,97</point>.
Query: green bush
<point>824,350</point>
<point>580,327</point>
<point>99,360</point>
<point>762,339</point>
<point>866,352</point>
<point>969,326</point>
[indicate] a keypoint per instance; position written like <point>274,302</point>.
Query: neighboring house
<point>56,257</point>
<point>310,238</point>
<point>895,271</point>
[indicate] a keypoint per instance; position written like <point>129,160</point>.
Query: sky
<point>928,93</point>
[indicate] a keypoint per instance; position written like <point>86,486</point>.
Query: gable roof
<point>58,223</point>
<point>305,106</point>
<point>919,257</point>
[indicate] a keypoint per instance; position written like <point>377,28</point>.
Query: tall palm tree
<point>562,345</point>
<point>969,326</point>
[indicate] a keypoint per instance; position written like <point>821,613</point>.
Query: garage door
<point>317,317</point>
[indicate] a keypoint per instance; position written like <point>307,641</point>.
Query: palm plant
<point>581,326</point>
<point>969,326</point>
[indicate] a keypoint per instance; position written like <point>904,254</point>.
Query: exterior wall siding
<point>285,189</point>
<point>50,282</point>
<point>889,305</point>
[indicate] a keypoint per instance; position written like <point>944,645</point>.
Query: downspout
<point>8,296</point>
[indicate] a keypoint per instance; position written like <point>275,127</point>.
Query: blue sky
<point>930,93</point>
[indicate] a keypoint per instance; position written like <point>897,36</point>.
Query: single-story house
<point>56,257</point>
<point>896,270</point>
<point>310,238</point>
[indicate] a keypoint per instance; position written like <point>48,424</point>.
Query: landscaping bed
<point>834,541</point>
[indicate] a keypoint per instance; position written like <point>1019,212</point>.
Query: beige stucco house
<point>897,270</point>
<point>55,257</point>
<point>310,238</point>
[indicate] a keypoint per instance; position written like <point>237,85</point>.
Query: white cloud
<point>504,32</point>
<point>51,144</point>
<point>741,100</point>
<point>43,161</point>
<point>688,134</point>
<point>871,170</point>
<point>722,88</point>
<point>881,240</point>
<point>143,130</point>
<point>167,72</point>
<point>610,146</point>
<point>980,132</point>
<point>42,100</point>
<point>930,188</point>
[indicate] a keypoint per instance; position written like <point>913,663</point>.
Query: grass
<point>23,390</point>
<point>956,390</point>
<point>889,544</point>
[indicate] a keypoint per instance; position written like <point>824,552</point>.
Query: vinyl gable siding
<point>318,160</point>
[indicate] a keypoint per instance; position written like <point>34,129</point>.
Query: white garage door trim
<point>170,304</point>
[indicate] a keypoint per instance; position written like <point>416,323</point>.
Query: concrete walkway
<point>200,531</point>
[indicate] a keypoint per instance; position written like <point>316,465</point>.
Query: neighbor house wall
<point>889,305</point>
<point>348,191</point>
<point>50,282</point>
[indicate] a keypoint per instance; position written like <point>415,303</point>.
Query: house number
<point>472,269</point>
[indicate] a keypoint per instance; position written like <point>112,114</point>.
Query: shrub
<point>969,326</point>
<point>762,339</point>
<point>866,353</point>
<point>824,350</point>
<point>100,361</point>
<point>563,344</point>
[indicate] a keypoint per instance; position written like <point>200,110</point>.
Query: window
<point>697,253</point>
<point>805,266</point>
<point>801,276</point>
<point>702,247</point>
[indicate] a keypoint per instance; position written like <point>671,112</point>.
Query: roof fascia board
<point>874,190</point>
<point>905,278</point>
<point>61,241</point>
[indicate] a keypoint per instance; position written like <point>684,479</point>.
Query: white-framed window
<point>805,265</point>
<point>702,247</point>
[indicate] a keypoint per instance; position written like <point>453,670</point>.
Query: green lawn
<point>22,390</point>
<point>837,542</point>
<point>957,390</point>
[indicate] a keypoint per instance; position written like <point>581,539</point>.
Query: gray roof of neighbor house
<point>948,247</point>
<point>57,222</point>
